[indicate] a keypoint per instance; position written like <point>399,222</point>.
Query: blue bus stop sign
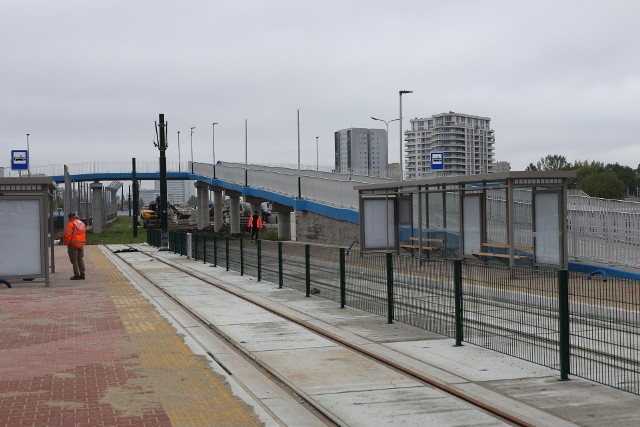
<point>19,159</point>
<point>437,161</point>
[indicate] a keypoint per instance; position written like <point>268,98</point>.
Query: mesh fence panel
<point>325,272</point>
<point>269,253</point>
<point>512,310</point>
<point>366,281</point>
<point>605,323</point>
<point>424,294</point>
<point>250,254</point>
<point>234,254</point>
<point>293,265</point>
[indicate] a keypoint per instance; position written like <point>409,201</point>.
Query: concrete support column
<point>218,219</point>
<point>284,226</point>
<point>203,205</point>
<point>284,220</point>
<point>234,213</point>
<point>96,207</point>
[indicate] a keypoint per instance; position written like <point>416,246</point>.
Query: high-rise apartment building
<point>361,151</point>
<point>466,141</point>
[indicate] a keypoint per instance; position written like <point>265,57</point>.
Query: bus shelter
<point>511,217</point>
<point>26,227</point>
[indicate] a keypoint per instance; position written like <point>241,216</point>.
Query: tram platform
<point>94,352</point>
<point>101,352</point>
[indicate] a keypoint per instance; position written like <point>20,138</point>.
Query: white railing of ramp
<point>604,231</point>
<point>323,187</point>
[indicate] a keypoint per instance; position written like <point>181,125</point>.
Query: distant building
<point>178,191</point>
<point>147,196</point>
<point>501,167</point>
<point>361,151</point>
<point>466,141</point>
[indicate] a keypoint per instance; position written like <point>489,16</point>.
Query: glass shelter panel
<point>496,215</point>
<point>472,219</point>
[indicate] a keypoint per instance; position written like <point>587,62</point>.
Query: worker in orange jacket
<point>255,225</point>
<point>74,238</point>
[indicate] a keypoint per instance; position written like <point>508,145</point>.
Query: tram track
<point>318,410</point>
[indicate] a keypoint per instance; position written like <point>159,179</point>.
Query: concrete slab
<point>471,362</point>
<point>583,402</point>
<point>310,369</point>
<point>413,406</point>
<point>269,336</point>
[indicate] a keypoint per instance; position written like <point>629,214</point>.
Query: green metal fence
<point>154,237</point>
<point>576,324</point>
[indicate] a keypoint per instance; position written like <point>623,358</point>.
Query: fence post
<point>241,257</point>
<point>226,249</point>
<point>563,311</point>
<point>259,242</point>
<point>389,287</point>
<point>215,251</point>
<point>195,245</point>
<point>280,275</point>
<point>343,286</point>
<point>457,289</point>
<point>307,269</point>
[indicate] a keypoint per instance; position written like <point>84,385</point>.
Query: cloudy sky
<point>88,79</point>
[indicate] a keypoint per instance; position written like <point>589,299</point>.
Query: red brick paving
<point>61,349</point>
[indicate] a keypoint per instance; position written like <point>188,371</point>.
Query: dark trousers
<point>76,256</point>
<point>254,233</point>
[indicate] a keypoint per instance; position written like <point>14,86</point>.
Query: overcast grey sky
<point>88,79</point>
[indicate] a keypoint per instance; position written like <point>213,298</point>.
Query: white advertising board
<point>20,228</point>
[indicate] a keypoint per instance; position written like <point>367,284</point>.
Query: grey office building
<point>361,151</point>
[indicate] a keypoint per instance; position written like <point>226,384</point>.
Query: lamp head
<point>405,91</point>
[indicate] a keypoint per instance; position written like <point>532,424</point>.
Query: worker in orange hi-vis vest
<point>255,225</point>
<point>74,238</point>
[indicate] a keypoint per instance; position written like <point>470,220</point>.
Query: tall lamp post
<point>28,157</point>
<point>317,152</point>
<point>192,128</point>
<point>213,126</point>
<point>401,93</point>
<point>179,151</point>
<point>387,123</point>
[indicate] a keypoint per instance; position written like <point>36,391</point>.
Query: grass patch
<point>118,231</point>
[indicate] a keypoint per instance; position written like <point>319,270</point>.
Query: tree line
<point>607,181</point>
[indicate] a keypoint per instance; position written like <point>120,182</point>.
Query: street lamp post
<point>401,93</point>
<point>178,151</point>
<point>28,157</point>
<point>317,152</point>
<point>213,126</point>
<point>192,128</point>
<point>387,123</point>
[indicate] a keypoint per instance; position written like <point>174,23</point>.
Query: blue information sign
<point>19,159</point>
<point>437,161</point>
